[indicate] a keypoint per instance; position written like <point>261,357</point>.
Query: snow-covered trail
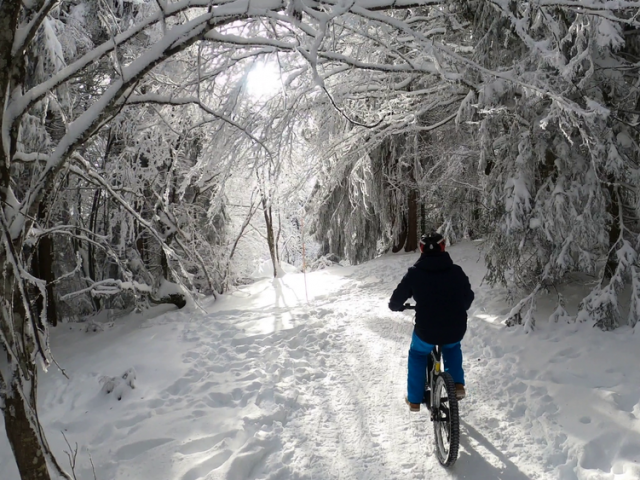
<point>359,427</point>
<point>263,385</point>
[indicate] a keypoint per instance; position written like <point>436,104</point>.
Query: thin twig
<point>72,454</point>
<point>93,467</point>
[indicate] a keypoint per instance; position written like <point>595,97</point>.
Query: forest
<point>152,150</point>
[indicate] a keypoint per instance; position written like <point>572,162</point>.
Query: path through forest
<point>263,385</point>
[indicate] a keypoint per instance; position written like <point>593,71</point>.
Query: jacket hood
<point>434,262</point>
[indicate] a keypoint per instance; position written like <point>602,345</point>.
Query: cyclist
<point>443,295</point>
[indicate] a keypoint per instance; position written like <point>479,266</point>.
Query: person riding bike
<point>443,295</point>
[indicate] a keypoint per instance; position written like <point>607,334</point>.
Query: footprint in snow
<point>517,388</point>
<point>132,450</point>
<point>627,402</point>
<point>190,357</point>
<point>564,354</point>
<point>131,421</point>
<point>204,444</point>
<point>118,386</point>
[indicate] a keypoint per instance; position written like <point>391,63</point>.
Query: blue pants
<point>418,358</point>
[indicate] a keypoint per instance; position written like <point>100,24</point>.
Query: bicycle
<point>443,405</point>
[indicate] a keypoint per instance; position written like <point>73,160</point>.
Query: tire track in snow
<point>362,428</point>
<point>357,421</point>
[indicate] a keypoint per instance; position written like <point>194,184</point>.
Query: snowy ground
<point>266,386</point>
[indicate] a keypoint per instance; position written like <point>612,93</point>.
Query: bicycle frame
<point>434,368</point>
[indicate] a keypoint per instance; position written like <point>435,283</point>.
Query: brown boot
<point>460,391</point>
<point>413,407</point>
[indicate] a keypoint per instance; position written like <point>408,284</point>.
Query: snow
<point>609,34</point>
<point>169,288</point>
<point>264,269</point>
<point>263,385</point>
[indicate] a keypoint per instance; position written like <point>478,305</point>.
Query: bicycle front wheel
<point>446,421</point>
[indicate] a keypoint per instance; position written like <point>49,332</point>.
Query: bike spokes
<point>446,423</point>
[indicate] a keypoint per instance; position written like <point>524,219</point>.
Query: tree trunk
<point>277,241</point>
<point>173,199</point>
<point>412,223</point>
<point>18,392</point>
<point>141,243</point>
<point>408,238</point>
<point>613,209</point>
<point>20,432</point>
<point>42,268</point>
<point>268,218</point>
<point>402,239</point>
<point>252,210</point>
<point>164,264</point>
<point>93,225</point>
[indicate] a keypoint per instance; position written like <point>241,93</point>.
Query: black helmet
<point>431,243</point>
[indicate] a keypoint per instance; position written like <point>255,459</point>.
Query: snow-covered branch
<point>24,157</point>
<point>168,100</point>
<point>110,287</point>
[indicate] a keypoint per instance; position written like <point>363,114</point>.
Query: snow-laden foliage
<point>543,101</point>
<point>394,143</point>
<point>560,147</point>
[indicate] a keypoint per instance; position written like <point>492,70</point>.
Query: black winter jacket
<point>443,295</point>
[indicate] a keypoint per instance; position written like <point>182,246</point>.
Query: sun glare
<point>263,80</point>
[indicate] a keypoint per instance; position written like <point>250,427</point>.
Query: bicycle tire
<point>446,420</point>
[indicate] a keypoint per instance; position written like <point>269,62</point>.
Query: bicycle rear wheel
<point>446,420</point>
